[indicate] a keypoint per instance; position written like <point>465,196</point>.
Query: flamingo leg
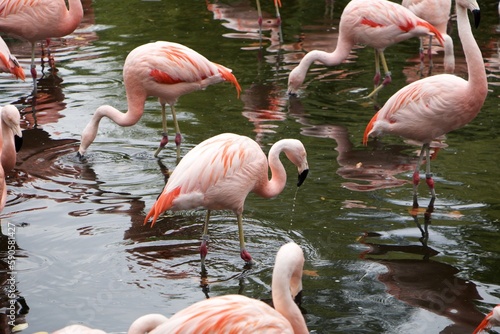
<point>421,52</point>
<point>278,17</point>
<point>204,241</point>
<point>33,69</point>
<point>428,176</point>
<point>380,57</point>
<point>429,53</point>
<point>416,177</point>
<point>259,11</point>
<point>245,255</point>
<point>164,139</point>
<point>178,136</point>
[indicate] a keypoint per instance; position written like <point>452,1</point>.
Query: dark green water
<point>84,256</point>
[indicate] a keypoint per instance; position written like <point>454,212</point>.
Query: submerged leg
<point>259,11</point>
<point>243,251</point>
<point>164,139</point>
<point>416,176</point>
<point>278,17</point>
<point>204,241</point>
<point>428,176</point>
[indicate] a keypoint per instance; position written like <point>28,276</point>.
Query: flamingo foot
<point>163,142</point>
<point>245,255</point>
<point>387,79</point>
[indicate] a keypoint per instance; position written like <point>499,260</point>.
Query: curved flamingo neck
<point>477,82</point>
<point>146,323</point>
<point>72,17</point>
<point>287,274</point>
<point>275,186</point>
<point>336,57</point>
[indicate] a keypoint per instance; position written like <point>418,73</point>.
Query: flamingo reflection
<point>426,283</point>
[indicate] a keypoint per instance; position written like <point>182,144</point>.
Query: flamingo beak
<point>477,17</point>
<point>302,177</point>
<point>18,142</point>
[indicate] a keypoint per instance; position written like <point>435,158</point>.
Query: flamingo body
<point>78,329</point>
<point>35,20</point>
<point>437,13</point>
<point>376,23</point>
<point>240,314</point>
<point>162,69</point>
<point>490,320</point>
<point>9,63</point>
<point>433,106</point>
<point>219,173</point>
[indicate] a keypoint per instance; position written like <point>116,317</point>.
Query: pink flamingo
<point>9,63</point>
<point>437,13</point>
<point>219,173</point>
<point>491,319</point>
<point>240,314</point>
<point>433,106</point>
<point>35,20</point>
<point>77,329</point>
<point>165,70</point>
<point>10,120</point>
<point>376,23</point>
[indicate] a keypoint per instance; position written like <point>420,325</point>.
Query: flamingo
<point>491,319</point>
<point>9,63</point>
<point>277,4</point>
<point>433,106</point>
<point>240,314</point>
<point>376,23</point>
<point>10,120</point>
<point>437,13</point>
<point>11,128</point>
<point>76,329</point>
<point>219,173</point>
<point>165,70</point>
<point>35,20</point>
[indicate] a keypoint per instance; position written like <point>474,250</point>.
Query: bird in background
<point>10,127</point>
<point>161,69</point>
<point>218,174</point>
<point>240,314</point>
<point>376,23</point>
<point>38,20</point>
<point>9,63</point>
<point>490,320</point>
<point>431,107</point>
<point>277,5</point>
<point>437,13</point>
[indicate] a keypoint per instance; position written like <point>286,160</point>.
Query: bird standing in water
<point>431,107</point>
<point>219,173</point>
<point>376,23</point>
<point>37,20</point>
<point>165,70</point>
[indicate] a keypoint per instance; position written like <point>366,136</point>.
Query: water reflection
<point>425,283</point>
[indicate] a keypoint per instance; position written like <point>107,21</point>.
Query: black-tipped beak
<point>80,156</point>
<point>477,17</point>
<point>302,177</point>
<point>18,142</point>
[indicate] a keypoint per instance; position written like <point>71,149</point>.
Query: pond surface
<point>84,256</point>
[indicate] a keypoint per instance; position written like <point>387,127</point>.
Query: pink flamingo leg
<point>204,241</point>
<point>245,255</point>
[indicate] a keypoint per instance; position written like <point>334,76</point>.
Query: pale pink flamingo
<point>9,63</point>
<point>376,23</point>
<point>219,173</point>
<point>491,319</point>
<point>431,107</point>
<point>10,120</point>
<point>36,20</point>
<point>165,70</point>
<point>240,314</point>
<point>11,127</point>
<point>437,13</point>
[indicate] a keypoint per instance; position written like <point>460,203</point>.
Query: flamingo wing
<point>216,174</point>
<point>227,314</point>
<point>172,63</point>
<point>384,23</point>
<point>413,110</point>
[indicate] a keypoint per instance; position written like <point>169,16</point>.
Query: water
<point>84,256</point>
